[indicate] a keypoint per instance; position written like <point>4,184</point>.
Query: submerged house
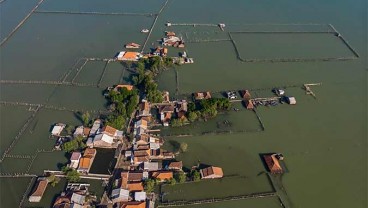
<point>245,94</point>
<point>132,45</point>
<point>249,104</point>
<point>273,163</point>
<point>291,100</point>
<point>57,129</point>
<point>202,95</point>
<point>211,172</point>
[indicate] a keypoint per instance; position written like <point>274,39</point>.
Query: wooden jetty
<point>208,41</point>
<point>215,200</point>
<point>21,131</point>
<point>153,25</point>
<point>21,22</point>
<point>194,24</point>
<point>103,74</point>
<point>309,90</point>
<point>95,13</point>
<point>265,99</point>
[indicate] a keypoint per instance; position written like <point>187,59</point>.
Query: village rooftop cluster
<point>170,40</point>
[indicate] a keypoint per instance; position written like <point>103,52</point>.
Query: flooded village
<point>162,105</point>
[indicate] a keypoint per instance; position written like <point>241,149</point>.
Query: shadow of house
<point>203,166</point>
<point>175,145</point>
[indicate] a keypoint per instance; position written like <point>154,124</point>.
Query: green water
<point>323,139</point>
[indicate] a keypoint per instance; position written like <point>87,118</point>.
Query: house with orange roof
<point>109,131</point>
<point>132,187</point>
<point>273,163</point>
<point>37,194</point>
<point>120,86</point>
<point>133,204</point>
<point>86,161</point>
<point>245,94</point>
<point>130,176</point>
<point>162,175</point>
<point>175,165</point>
<point>211,172</point>
<point>249,104</point>
<point>128,56</point>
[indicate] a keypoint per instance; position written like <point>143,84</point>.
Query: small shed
<point>291,100</point>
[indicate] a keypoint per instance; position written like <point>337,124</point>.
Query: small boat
<point>144,30</point>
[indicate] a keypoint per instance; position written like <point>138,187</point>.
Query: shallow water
<point>323,139</point>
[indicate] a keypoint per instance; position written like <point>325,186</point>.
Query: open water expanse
<point>323,139</point>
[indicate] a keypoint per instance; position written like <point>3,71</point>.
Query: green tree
<point>116,121</point>
<point>180,177</point>
<point>70,146</point>
<point>192,116</point>
<point>75,144</point>
<point>86,117</point>
<point>149,185</point>
<point>53,180</point>
<point>195,175</point>
<point>172,181</point>
<point>71,174</point>
<point>69,129</point>
<point>183,147</point>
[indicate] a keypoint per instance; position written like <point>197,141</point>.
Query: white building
<point>140,196</point>
<point>120,195</point>
<point>58,128</point>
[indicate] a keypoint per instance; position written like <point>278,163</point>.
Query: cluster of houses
<point>82,163</point>
<point>105,137</point>
<point>75,194</point>
<point>172,40</point>
<point>169,109</point>
<point>99,136</point>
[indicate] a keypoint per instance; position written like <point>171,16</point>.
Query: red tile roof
<point>162,175</point>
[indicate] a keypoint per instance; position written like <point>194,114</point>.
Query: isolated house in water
<point>57,129</point>
<point>39,191</point>
<point>273,163</point>
<point>202,95</point>
<point>211,172</point>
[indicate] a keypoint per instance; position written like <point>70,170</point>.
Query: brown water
<point>323,139</point>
